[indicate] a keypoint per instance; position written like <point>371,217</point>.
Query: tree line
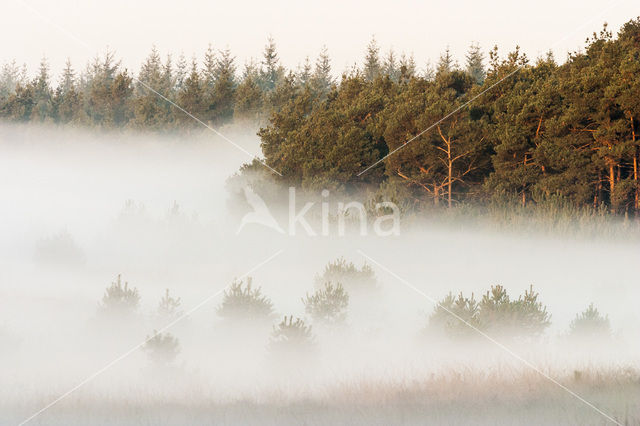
<point>107,95</point>
<point>535,131</point>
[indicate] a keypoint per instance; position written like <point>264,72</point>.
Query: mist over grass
<point>80,209</point>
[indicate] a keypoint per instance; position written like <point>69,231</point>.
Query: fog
<point>78,209</point>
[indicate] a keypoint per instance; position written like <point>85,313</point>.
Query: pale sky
<point>131,27</point>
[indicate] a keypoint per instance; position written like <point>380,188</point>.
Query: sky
<point>80,29</point>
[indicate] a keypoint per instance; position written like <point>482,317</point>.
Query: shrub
<point>120,300</point>
<point>244,303</point>
<point>328,304</point>
<point>162,348</point>
<point>442,320</point>
<point>523,317</point>
<point>353,279</point>
<point>292,337</point>
<point>496,314</point>
<point>169,307</point>
<point>590,324</point>
<point>59,249</point>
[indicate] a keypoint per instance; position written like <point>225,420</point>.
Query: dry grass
<point>463,396</point>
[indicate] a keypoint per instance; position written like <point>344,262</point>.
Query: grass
<point>458,396</point>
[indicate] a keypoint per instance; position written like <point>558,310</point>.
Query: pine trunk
<point>612,183</point>
<point>449,184</point>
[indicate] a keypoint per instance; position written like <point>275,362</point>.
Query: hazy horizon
<point>81,30</point>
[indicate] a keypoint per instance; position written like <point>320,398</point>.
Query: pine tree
<point>67,98</point>
<point>372,67</point>
<point>168,78</point>
<point>161,348</point>
<point>475,65</point>
<point>181,72</point>
<point>446,63</point>
<point>328,304</point>
<point>243,303</point>
<point>68,78</point>
<point>322,79</point>
<point>429,72</point>
<point>590,324</point>
<point>407,68</point>
<point>151,111</point>
<point>191,97</point>
<point>223,93</point>
<point>120,301</point>
<point>210,65</point>
<point>169,307</point>
<point>42,93</point>
<point>271,72</point>
<point>249,96</point>
<point>304,73</point>
<point>9,79</point>
<point>390,67</point>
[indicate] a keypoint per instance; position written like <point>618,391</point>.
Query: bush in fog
<point>169,307</point>
<point>446,317</point>
<point>525,316</point>
<point>590,323</point>
<point>120,300</point>
<point>60,249</point>
<point>291,337</point>
<point>245,303</point>
<point>162,348</point>
<point>327,305</point>
<point>496,314</point>
<point>354,279</point>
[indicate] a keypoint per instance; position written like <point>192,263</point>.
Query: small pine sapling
<point>327,305</point>
<point>162,348</point>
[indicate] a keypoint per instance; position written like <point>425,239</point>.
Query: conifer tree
<point>407,68</point>
<point>210,66</point>
<point>224,88</point>
<point>322,79</point>
<point>372,66</point>
<point>9,79</point>
<point>151,110</point>
<point>67,98</point>
<point>475,65</point>
<point>42,92</point>
<point>304,73</point>
<point>181,72</point>
<point>271,72</point>
<point>446,63</point>
<point>390,67</point>
<point>249,96</point>
<point>191,97</point>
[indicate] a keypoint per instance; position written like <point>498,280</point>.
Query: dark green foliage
<point>162,348</point>
<point>243,303</point>
<point>590,324</point>
<point>120,300</point>
<point>327,305</point>
<point>496,314</point>
<point>544,131</point>
<point>525,316</point>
